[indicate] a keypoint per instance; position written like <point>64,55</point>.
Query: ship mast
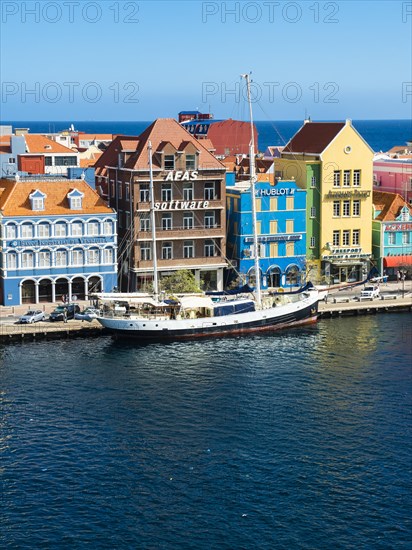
<point>252,170</point>
<point>153,223</point>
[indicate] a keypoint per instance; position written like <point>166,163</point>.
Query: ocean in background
<point>300,439</point>
<point>381,135</point>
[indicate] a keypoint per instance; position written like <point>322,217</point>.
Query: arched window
<point>11,260</point>
<point>44,258</point>
<point>43,231</point>
<point>26,231</point>
<point>274,275</point>
<point>93,256</point>
<point>292,275</point>
<point>27,259</point>
<point>60,229</point>
<point>11,231</point>
<point>77,257</point>
<point>61,258</point>
<point>108,256</point>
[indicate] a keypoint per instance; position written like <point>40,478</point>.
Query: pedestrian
<point>65,315</point>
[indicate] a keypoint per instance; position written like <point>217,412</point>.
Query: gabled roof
<point>390,205</point>
<point>110,156</point>
<point>15,198</point>
<point>93,137</point>
<point>36,143</point>
<point>168,129</point>
<point>231,136</point>
<point>313,137</point>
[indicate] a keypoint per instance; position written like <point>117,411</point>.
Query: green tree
<point>179,282</point>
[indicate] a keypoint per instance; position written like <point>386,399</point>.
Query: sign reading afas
<point>180,175</point>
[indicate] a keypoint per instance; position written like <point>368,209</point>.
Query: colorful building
<point>189,202</point>
<point>58,238</point>
<point>281,227</point>
<point>393,176</point>
<point>334,164</point>
<point>392,233</point>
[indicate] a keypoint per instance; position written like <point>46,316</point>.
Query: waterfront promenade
<point>396,298</point>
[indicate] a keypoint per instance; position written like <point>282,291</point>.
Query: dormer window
<point>404,214</point>
<point>190,162</point>
<point>169,162</point>
<point>75,198</point>
<point>37,200</point>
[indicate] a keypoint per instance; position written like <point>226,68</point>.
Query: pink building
<point>393,176</point>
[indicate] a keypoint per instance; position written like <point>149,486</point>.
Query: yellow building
<point>335,165</point>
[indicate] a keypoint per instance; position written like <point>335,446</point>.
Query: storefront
<point>346,265</point>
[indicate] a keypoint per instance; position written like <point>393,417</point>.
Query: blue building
<point>392,234</point>
<point>281,227</point>
<point>58,239</point>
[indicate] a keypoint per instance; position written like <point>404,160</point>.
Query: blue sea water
<point>381,135</point>
<point>297,440</point>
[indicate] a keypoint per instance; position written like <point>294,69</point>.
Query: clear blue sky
<point>141,60</point>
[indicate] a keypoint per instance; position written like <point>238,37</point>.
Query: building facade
<point>392,234</point>
<point>281,228</point>
<point>189,206</point>
<point>58,239</point>
<point>335,165</point>
<point>393,176</point>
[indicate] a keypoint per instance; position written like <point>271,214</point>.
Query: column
<point>220,279</point>
<point>36,292</point>
<point>86,289</point>
<point>70,291</point>
<point>53,291</point>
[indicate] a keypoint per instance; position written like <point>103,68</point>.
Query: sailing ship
<point>142,316</point>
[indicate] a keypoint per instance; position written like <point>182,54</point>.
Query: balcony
<point>196,232</point>
<point>181,263</point>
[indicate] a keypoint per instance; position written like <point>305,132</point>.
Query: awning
<point>396,261</point>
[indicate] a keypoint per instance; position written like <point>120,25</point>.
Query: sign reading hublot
<point>274,192</point>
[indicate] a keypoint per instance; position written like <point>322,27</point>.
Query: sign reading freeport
<point>181,205</point>
<point>181,175</point>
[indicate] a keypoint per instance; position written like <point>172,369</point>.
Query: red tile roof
<point>231,137</point>
<point>14,198</point>
<point>110,155</point>
<point>313,137</point>
<point>98,137</point>
<point>37,143</point>
<point>390,205</point>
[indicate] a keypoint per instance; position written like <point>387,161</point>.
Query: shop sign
<point>275,192</point>
<point>58,242</point>
<point>180,175</point>
<point>398,227</point>
<point>274,238</point>
<point>347,194</point>
<point>181,205</point>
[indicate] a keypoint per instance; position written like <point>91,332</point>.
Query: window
<point>65,161</point>
<point>60,230</point>
<point>209,248</point>
<point>167,251</point>
<point>188,220</point>
<point>44,259</point>
<point>313,211</point>
<point>356,178</point>
<point>209,220</point>
<point>108,255</point>
<point>356,208</point>
<point>48,161</point>
<point>76,203</point>
<point>313,181</point>
<point>77,257</point>
<point>166,192</point>
<point>93,256</point>
<point>290,226</point>
<point>166,221</point>
<point>61,258</point>
<point>144,192</point>
<point>120,189</point>
<point>12,160</point>
<point>336,238</point>
<point>209,191</point>
<point>336,178</point>
<point>356,236</point>
<point>107,228</point>
<point>391,238</point>
<point>169,162</point>
<point>405,237</point>
<point>346,178</point>
<point>26,231</point>
<point>77,229</point>
<point>127,191</point>
<point>273,204</point>
<point>346,237</point>
<point>27,260</point>
<point>258,205</point>
<point>11,231</point>
<point>145,221</point>
<point>112,188</point>
<point>187,192</point>
<point>93,228</point>
<point>346,208</point>
<point>37,203</point>
<point>11,260</point>
<point>290,203</point>
<point>273,226</point>
<point>145,252</point>
<point>273,250</point>
<point>290,249</point>
<point>312,242</point>
<point>188,249</point>
<point>43,230</point>
<point>190,162</point>
<point>405,215</point>
<point>336,209</point>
